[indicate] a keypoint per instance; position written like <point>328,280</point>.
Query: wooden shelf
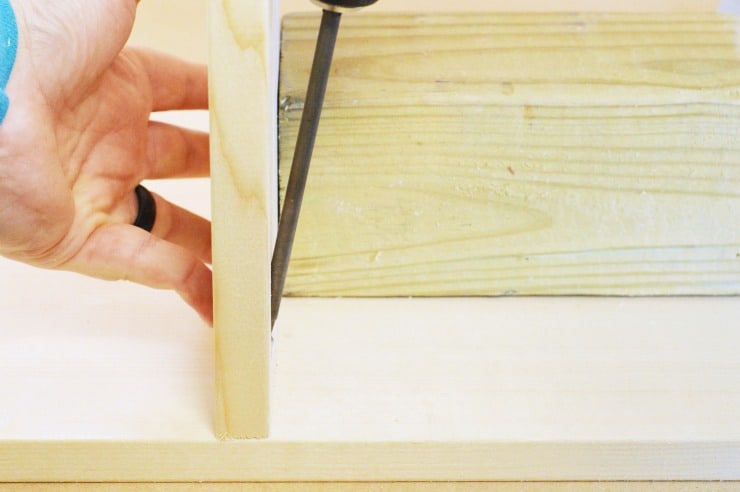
<point>108,382</point>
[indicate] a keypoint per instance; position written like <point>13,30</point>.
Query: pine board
<point>504,154</point>
<point>387,487</point>
<point>243,83</point>
<point>120,388</point>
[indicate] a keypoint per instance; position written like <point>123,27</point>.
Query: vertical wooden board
<point>243,154</point>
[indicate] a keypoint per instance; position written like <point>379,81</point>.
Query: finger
<point>175,152</point>
<point>124,252</point>
<point>183,228</point>
<point>176,83</point>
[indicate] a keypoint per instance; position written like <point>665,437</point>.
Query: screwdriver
<point>331,16</point>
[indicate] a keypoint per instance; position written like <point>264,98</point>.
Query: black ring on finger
<point>147,209</point>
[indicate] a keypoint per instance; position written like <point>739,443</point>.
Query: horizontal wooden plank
<point>492,154</point>
<point>511,369</point>
<point>337,461</point>
<point>118,385</point>
<point>384,487</point>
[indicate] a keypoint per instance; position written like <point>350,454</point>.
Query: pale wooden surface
<point>388,487</point>
<point>511,370</point>
<point>243,83</point>
<point>486,389</point>
<point>175,26</point>
<point>519,154</point>
<point>64,339</point>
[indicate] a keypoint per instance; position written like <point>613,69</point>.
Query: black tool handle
<point>345,4</point>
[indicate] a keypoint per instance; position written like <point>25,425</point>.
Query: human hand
<point>77,140</point>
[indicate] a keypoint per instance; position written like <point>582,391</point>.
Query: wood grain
<point>387,487</point>
<point>249,461</point>
<point>243,90</point>
<point>520,154</point>
<point>376,389</point>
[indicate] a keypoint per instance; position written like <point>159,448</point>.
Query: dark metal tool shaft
<point>302,156</point>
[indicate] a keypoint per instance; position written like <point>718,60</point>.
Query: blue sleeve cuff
<point>4,104</point>
<point>8,49</point>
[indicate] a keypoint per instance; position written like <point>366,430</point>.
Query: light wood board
<point>510,154</point>
<point>388,487</point>
<point>483,389</point>
<point>243,82</point>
